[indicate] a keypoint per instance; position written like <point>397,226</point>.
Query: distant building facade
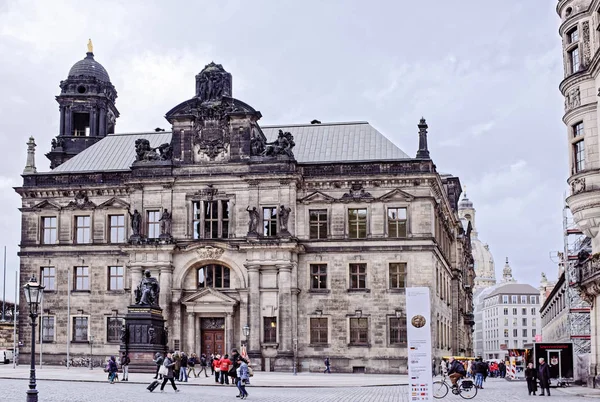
<point>510,316</point>
<point>309,234</point>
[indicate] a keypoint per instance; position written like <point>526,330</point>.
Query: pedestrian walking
<point>183,366</point>
<point>169,363</point>
<point>203,366</point>
<point>192,362</point>
<point>531,377</point>
<point>177,366</point>
<point>125,360</point>
<point>243,379</point>
<point>327,366</point>
<point>216,365</point>
<point>224,365</point>
<point>112,369</point>
<point>158,360</point>
<point>544,376</point>
<point>212,366</point>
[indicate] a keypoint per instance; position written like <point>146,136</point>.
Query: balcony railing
<point>589,270</point>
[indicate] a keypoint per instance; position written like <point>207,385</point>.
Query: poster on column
<point>418,328</point>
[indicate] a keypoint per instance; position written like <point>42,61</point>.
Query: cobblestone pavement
<point>14,390</point>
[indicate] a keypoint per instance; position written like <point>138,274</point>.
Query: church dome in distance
<point>89,67</point>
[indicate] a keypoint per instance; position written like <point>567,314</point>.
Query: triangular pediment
<point>47,205</point>
<point>114,203</point>
<point>317,197</point>
<point>209,296</point>
<point>397,195</point>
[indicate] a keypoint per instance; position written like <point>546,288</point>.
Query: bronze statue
<point>147,291</point>
<point>281,146</point>
<point>165,222</point>
<point>284,214</point>
<point>254,217</point>
<point>136,222</point>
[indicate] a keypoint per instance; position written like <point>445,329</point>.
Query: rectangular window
<point>504,299</point>
<point>525,333</point>
<point>515,332</point>
<point>505,321</point>
<point>397,275</point>
<point>117,228</point>
<point>80,329</point>
<point>505,311</point>
<point>516,343</point>
<point>397,331</point>
<point>506,333</point>
<point>396,222</point>
<point>523,299</point>
<point>533,332</point>
<point>48,230</point>
<point>153,224</point>
<point>357,223</point>
<point>533,322</point>
<point>82,229</point>
<point>573,35</point>
<point>359,331</point>
<point>115,278</point>
<point>318,276</point>
<point>578,129</point>
<point>197,219</point>
<point>533,311</point>
<point>579,155</point>
<point>514,311</point>
<point>513,299</point>
<point>49,278</point>
<point>113,329</point>
<point>318,223</point>
<point>216,219</point>
<point>270,329</point>
<point>318,331</point>
<point>514,322</point>
<point>358,276</point>
<point>574,60</point>
<point>82,278</point>
<point>532,300</point>
<point>269,221</point>
<point>524,311</point>
<point>47,328</point>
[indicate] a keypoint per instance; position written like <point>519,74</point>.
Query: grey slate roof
<point>511,288</point>
<point>315,143</point>
<point>89,67</point>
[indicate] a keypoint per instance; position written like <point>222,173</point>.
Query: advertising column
<point>418,325</point>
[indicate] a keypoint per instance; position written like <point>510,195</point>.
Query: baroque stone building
<point>308,234</point>
<point>580,87</point>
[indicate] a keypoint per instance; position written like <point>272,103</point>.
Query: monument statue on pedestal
<point>147,291</point>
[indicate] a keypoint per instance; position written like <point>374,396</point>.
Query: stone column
<point>61,130</point>
<point>197,339</point>
<point>191,332</point>
<point>93,123</point>
<point>68,121</point>
<point>136,278</point>
<point>254,301</point>
<point>165,281</point>
<point>228,332</point>
<point>285,307</point>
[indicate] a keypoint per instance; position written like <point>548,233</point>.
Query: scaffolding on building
<point>579,309</point>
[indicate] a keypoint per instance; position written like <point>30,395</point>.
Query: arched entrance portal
<point>211,308</point>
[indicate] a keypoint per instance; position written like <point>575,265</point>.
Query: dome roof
<point>465,203</point>
<point>89,67</point>
<point>483,261</point>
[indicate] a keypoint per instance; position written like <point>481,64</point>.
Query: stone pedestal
<point>144,337</point>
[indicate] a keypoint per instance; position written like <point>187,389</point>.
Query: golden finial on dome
<point>90,46</point>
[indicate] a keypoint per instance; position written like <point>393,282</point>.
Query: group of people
<point>177,366</point>
<point>480,370</point>
<point>112,368</point>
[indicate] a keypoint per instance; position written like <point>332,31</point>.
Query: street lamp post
<point>33,294</point>
<point>295,356</point>
<point>91,351</point>
<point>246,330</point>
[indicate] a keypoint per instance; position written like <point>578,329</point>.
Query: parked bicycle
<point>465,388</point>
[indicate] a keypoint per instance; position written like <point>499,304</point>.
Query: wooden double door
<point>213,341</point>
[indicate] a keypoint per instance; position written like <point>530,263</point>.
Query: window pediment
<point>114,202</point>
<point>317,197</point>
<point>396,195</point>
<point>209,296</point>
<point>47,205</point>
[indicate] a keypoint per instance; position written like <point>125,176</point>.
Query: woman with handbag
<point>112,369</point>
<point>216,365</point>
<point>167,372</point>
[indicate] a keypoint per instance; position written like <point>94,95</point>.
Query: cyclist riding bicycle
<point>455,371</point>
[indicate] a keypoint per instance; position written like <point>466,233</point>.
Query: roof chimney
<point>315,121</point>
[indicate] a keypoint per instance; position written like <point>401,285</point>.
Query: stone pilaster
<point>197,338</point>
<point>191,332</point>
<point>166,283</point>
<point>254,302</point>
<point>243,313</point>
<point>285,307</point>
<point>228,332</point>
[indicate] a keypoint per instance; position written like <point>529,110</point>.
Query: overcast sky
<point>484,74</point>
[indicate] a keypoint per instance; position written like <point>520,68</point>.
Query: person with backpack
<point>456,371</point>
<point>125,360</point>
<point>479,368</point>
<point>203,365</point>
<point>112,369</point>
<point>192,361</point>
<point>327,365</point>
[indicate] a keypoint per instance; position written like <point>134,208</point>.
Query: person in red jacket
<point>224,364</point>
<point>216,365</point>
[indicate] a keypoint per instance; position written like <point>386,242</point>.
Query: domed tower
<point>485,274</point>
<point>87,109</point>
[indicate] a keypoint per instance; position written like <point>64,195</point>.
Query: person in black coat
<point>531,377</point>
<point>544,376</point>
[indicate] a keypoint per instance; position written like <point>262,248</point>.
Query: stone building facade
<point>580,86</point>
<point>308,234</point>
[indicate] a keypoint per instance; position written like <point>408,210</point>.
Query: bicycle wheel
<point>440,389</point>
<point>468,391</point>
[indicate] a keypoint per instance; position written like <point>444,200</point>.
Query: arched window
<point>213,276</point>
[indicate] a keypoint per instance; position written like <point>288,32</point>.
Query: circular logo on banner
<point>418,321</point>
